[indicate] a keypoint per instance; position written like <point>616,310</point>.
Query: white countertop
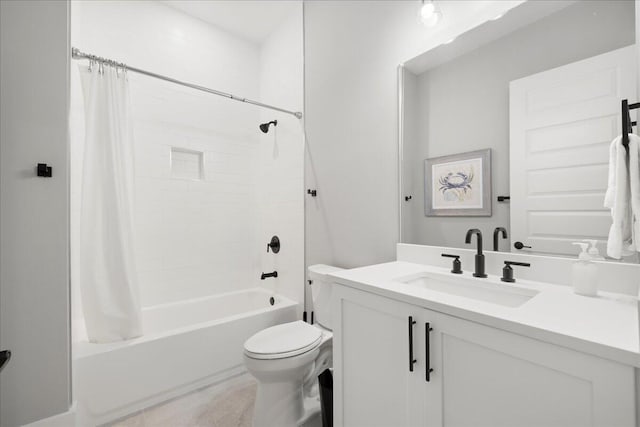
<point>605,326</point>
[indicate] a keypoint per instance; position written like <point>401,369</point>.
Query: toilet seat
<point>283,341</point>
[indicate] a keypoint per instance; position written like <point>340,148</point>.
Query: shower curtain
<point>107,268</point>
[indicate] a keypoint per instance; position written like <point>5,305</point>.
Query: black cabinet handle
<point>428,369</point>
<point>411,359</point>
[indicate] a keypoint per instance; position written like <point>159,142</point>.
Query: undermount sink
<point>473,288</point>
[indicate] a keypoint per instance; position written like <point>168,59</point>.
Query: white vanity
<point>415,345</point>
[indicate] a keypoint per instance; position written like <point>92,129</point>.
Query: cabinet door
<point>489,377</point>
<point>374,384</point>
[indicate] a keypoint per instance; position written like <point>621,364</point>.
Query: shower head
<point>265,126</point>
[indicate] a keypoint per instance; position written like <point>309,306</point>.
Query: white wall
<point>280,161</point>
<point>352,50</point>
<point>463,105</point>
<point>34,277</point>
<point>203,237</point>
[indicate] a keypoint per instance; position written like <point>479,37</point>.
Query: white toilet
<point>286,360</point>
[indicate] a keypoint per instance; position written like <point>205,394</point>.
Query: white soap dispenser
<point>594,253</point>
<point>584,275</point>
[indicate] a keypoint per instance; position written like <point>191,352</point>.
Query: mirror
<point>519,112</point>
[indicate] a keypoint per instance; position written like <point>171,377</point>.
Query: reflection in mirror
<point>541,88</point>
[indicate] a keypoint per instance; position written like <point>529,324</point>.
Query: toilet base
<point>289,409</point>
<point>312,413</point>
<point>278,404</point>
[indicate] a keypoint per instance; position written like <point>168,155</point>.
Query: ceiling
<point>252,20</point>
<point>517,18</point>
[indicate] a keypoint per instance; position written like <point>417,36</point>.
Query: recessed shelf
<point>186,164</point>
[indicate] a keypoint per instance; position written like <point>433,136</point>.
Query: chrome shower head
<point>264,127</point>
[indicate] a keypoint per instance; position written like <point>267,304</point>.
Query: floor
<point>224,405</point>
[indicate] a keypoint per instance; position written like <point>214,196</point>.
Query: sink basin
<point>472,288</point>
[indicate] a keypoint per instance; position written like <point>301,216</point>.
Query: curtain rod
<point>77,54</point>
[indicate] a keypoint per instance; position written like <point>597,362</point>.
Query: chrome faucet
<point>479,256</point>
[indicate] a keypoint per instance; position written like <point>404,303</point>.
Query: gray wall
<point>463,105</point>
<point>352,51</point>
<point>349,84</point>
<point>34,279</point>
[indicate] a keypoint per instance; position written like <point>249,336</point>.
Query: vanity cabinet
<point>482,376</point>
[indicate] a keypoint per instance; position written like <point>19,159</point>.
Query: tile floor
<point>223,405</point>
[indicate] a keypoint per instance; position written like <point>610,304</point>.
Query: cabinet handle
<point>428,369</point>
<point>411,359</point>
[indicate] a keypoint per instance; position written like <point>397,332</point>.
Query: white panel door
<point>561,124</point>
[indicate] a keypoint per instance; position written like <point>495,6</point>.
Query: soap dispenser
<point>594,253</point>
<point>584,277</point>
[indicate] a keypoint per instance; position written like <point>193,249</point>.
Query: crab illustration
<point>456,181</point>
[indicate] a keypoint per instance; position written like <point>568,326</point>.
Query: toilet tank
<point>321,288</point>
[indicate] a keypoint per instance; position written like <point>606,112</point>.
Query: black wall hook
<point>313,193</point>
<point>44,170</point>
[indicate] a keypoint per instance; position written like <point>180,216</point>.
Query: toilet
<point>286,360</point>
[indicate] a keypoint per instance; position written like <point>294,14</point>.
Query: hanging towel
<point>634,186</point>
<point>618,199</point>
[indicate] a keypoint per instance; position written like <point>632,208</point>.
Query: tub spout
<point>267,275</point>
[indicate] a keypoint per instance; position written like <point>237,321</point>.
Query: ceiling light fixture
<point>430,13</point>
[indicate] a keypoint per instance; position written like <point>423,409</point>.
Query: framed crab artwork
<point>458,185</point>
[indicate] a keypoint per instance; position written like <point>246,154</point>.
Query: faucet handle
<point>457,265</point>
<point>507,271</point>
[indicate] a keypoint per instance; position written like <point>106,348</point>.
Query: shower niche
<point>187,164</point>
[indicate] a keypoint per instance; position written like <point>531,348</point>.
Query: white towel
<point>610,195</point>
<point>618,199</point>
<point>634,186</point>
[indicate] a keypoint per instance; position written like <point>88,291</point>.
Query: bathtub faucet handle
<point>274,245</point>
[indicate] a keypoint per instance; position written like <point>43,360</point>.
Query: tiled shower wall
<point>198,222</point>
<point>280,184</point>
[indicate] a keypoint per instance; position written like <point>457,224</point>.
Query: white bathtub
<point>187,345</point>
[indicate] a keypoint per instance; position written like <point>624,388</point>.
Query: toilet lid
<point>286,340</point>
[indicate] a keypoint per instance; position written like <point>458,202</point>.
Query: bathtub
<point>186,345</point>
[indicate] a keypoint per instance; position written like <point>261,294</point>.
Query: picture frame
<point>458,184</point>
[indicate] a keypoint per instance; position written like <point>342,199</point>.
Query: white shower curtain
<point>107,268</point>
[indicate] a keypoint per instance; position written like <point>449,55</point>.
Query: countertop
<point>605,326</point>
